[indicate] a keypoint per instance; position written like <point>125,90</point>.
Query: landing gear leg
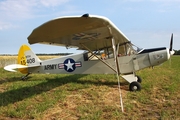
<point>134,82</point>
<point>25,77</point>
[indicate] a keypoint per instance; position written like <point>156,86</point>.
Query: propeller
<point>171,51</point>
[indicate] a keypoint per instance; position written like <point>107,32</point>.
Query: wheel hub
<point>135,87</point>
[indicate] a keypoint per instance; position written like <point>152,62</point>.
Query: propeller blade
<point>171,43</point>
<point>171,51</point>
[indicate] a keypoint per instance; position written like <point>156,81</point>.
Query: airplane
<point>106,50</point>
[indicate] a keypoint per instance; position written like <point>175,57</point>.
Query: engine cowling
<point>159,56</point>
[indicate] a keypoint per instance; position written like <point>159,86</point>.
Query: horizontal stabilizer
<point>12,67</point>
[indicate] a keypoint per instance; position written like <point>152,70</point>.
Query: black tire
<point>139,80</point>
<point>135,86</point>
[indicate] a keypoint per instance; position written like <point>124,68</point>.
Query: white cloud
<point>6,25</point>
<point>51,3</point>
<point>11,9</point>
<point>19,10</point>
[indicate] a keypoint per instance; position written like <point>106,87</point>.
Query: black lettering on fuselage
<point>50,67</point>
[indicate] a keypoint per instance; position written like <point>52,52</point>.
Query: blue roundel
<point>69,65</point>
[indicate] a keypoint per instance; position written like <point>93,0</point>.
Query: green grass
<point>91,96</point>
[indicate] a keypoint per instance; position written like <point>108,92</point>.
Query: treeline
<point>53,54</point>
<point>177,52</point>
<point>41,54</point>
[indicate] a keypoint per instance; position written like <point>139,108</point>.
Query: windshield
<point>132,49</point>
<point>137,49</point>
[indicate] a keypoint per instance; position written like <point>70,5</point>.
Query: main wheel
<point>139,80</point>
<point>135,86</point>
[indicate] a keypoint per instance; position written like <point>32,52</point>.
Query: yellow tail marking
<point>22,58</point>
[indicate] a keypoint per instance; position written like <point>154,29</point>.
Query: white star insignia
<point>69,65</point>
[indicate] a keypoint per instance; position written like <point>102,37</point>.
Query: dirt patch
<point>69,108</point>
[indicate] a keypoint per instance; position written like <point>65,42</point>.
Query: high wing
<point>95,32</point>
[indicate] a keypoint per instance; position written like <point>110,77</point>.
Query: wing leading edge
<point>95,32</point>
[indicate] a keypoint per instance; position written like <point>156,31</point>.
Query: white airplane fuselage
<point>78,64</point>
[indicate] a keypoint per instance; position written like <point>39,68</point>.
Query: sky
<point>146,23</point>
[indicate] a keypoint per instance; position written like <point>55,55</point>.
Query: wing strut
<point>117,69</point>
<point>98,57</point>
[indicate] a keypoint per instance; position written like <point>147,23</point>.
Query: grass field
<point>91,96</point>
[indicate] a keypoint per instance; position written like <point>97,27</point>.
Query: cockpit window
<point>107,53</point>
<point>89,56</point>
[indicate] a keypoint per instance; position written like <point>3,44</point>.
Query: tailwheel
<point>25,77</point>
<point>135,86</point>
<point>139,80</point>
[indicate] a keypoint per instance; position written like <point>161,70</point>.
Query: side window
<point>89,56</point>
<point>85,55</point>
<point>130,50</point>
<point>127,49</point>
<point>121,51</point>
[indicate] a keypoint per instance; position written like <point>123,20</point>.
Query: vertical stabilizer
<point>27,57</point>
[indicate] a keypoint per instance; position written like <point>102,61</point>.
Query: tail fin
<point>26,57</point>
